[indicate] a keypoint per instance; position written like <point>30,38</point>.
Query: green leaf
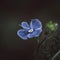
<point>52,26</point>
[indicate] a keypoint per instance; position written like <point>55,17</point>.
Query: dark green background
<point>14,12</point>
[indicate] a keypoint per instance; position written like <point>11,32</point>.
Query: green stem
<point>53,58</point>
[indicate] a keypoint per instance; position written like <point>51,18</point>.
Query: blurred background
<point>12,13</point>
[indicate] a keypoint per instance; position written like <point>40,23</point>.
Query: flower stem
<point>53,58</point>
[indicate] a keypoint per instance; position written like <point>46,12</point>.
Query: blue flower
<point>34,29</point>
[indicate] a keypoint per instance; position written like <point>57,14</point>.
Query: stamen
<point>31,30</point>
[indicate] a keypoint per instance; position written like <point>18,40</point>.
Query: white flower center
<point>31,30</point>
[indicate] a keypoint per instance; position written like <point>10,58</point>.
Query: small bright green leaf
<point>52,26</point>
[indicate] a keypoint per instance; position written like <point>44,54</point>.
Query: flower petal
<point>36,33</point>
<point>22,34</point>
<point>25,25</point>
<point>35,23</point>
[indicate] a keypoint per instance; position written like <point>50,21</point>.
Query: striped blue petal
<point>22,34</point>
<point>35,24</point>
<point>36,33</point>
<point>25,25</point>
